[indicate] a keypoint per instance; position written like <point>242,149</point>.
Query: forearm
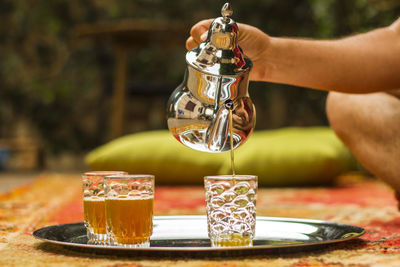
<point>359,64</point>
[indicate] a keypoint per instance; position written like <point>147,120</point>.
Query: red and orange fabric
<point>54,199</point>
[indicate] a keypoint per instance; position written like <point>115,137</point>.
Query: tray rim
<point>196,249</point>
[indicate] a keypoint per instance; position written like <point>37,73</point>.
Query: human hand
<point>253,41</point>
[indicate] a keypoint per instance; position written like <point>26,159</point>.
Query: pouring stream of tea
<point>231,142</point>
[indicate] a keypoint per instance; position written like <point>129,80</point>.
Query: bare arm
<point>361,63</point>
<point>358,64</point>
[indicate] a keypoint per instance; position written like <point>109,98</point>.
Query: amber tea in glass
<point>94,214</point>
<point>94,205</point>
<point>129,209</point>
<point>130,219</point>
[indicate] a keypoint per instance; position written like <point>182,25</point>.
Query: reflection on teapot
<point>217,73</point>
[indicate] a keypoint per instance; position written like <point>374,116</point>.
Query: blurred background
<point>76,74</point>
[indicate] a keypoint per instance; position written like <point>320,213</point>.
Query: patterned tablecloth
<point>54,199</point>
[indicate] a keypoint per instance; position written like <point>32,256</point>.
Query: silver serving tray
<point>189,234</point>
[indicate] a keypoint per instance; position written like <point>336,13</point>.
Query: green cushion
<point>292,157</point>
<point>284,157</point>
<point>157,153</point>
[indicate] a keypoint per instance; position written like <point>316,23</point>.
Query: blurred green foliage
<point>62,84</point>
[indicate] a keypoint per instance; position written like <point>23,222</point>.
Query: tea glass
<point>94,205</point>
<point>129,201</point>
<point>231,209</point>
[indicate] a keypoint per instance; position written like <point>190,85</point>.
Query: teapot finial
<point>219,54</point>
<point>226,11</point>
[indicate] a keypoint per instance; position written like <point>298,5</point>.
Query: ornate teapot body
<point>216,80</point>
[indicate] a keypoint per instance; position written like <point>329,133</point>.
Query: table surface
<point>10,180</point>
<point>56,198</point>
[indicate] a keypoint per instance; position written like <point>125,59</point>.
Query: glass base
<point>128,242</point>
<point>231,241</point>
<point>97,239</point>
<point>141,245</point>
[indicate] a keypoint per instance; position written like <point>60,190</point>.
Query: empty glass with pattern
<point>231,209</point>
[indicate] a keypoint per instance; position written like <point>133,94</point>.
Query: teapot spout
<point>217,133</point>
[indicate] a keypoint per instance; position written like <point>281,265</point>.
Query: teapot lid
<point>220,54</point>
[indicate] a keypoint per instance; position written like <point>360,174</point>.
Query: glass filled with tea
<point>129,209</point>
<point>231,209</point>
<point>94,205</point>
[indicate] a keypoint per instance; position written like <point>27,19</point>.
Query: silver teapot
<point>216,81</point>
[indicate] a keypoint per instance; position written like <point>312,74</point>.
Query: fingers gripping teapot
<point>216,80</point>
